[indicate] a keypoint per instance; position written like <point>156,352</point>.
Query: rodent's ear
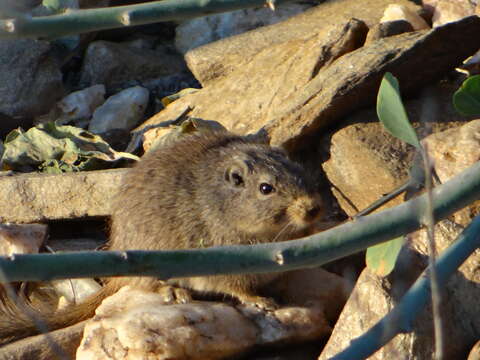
<point>236,172</point>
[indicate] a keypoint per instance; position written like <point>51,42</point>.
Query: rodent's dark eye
<point>266,189</point>
<point>237,179</point>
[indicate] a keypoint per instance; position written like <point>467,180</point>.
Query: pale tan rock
<point>453,151</point>
<point>373,297</point>
<point>21,239</point>
<point>211,62</point>
<point>28,198</point>
<point>134,323</point>
<point>447,11</point>
<point>401,12</point>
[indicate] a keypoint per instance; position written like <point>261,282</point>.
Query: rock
<point>453,151</point>
<point>302,97</point>
<point>123,110</point>
<point>416,59</point>
<point>31,80</point>
<point>366,162</point>
<point>475,352</point>
<point>74,291</point>
<point>21,239</point>
<point>81,104</point>
<point>373,297</point>
<point>309,286</point>
<point>16,8</point>
<point>461,306</point>
<point>37,197</point>
<point>116,65</point>
<point>133,323</point>
<point>401,12</point>
<point>59,344</point>
<point>212,62</point>
<point>386,29</point>
<point>76,107</point>
<point>295,64</point>
<point>447,11</point>
<point>203,30</point>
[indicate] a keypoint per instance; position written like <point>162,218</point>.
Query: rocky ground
<point>305,77</point>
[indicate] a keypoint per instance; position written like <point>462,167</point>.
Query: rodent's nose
<point>312,213</point>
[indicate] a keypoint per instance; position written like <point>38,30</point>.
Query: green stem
<point>81,21</point>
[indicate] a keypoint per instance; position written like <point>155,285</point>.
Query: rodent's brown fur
<point>202,191</point>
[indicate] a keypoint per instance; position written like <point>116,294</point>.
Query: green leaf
<point>52,148</point>
<point>391,112</point>
<point>467,98</point>
<point>381,258</point>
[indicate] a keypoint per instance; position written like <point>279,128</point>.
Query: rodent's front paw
<point>174,295</point>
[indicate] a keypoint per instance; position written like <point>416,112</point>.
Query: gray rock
<point>123,110</point>
<point>203,30</point>
<point>30,79</point>
<point>120,65</point>
<point>37,197</point>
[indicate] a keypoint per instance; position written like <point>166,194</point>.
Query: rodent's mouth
<point>304,211</point>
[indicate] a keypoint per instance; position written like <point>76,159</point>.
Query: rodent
<point>207,189</point>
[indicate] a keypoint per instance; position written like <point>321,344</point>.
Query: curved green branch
<point>81,21</point>
<point>312,251</point>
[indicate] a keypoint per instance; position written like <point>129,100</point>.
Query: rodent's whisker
<point>282,231</point>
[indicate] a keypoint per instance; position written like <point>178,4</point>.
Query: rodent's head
<point>260,192</point>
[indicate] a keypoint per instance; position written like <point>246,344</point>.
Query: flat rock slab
<point>213,61</point>
<point>59,344</point>
<point>30,198</point>
<point>291,91</point>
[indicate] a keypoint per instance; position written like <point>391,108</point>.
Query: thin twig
<point>430,225</point>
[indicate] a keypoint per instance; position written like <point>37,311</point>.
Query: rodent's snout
<point>305,210</point>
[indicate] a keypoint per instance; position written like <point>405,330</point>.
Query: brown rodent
<point>205,190</point>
